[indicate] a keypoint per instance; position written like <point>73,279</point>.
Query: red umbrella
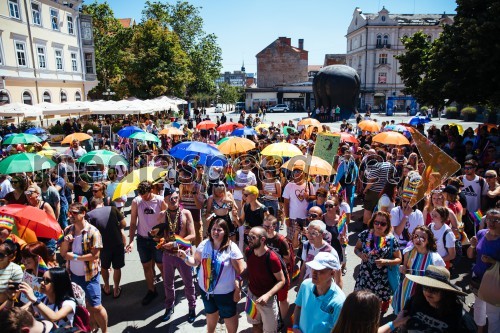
<point>346,137</point>
<point>33,218</point>
<point>207,124</point>
<point>229,127</point>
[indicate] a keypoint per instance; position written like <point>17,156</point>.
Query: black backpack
<point>458,247</point>
<point>268,264</point>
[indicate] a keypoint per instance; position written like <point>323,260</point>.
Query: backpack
<point>458,247</point>
<point>81,319</point>
<point>268,264</point>
<point>291,265</point>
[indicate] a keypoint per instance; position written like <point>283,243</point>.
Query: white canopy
<point>62,109</point>
<point>20,110</point>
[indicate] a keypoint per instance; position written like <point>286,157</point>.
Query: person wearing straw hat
<point>436,305</point>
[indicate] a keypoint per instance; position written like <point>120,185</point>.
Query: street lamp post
<point>108,93</point>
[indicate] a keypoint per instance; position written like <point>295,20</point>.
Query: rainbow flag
<point>42,266</point>
<point>296,273</point>
<point>342,222</point>
<point>182,242</point>
<point>7,222</point>
<point>83,200</point>
<point>477,216</point>
<point>251,308</point>
<point>60,239</point>
<point>337,188</point>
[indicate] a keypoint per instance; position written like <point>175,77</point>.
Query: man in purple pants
<point>178,222</point>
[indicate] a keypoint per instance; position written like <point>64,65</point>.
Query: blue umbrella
<point>176,124</point>
<point>419,120</point>
<point>244,131</point>
<point>35,131</point>
<point>128,131</point>
<point>208,155</point>
<point>398,128</point>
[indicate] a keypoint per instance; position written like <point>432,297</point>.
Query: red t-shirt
<point>260,280</point>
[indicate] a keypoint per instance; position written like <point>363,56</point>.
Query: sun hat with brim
<point>436,277</point>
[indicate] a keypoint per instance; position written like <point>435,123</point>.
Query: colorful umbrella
<point>369,125</point>
<point>460,128</point>
<point>236,145</point>
<point>288,129</point>
<point>35,131</point>
<point>398,128</point>
<point>261,126</point>
<point>176,124</point>
<point>130,182</point>
<point>129,130</point>
<point>346,137</point>
<point>144,136</point>
<point>24,162</point>
<point>171,131</point>
<point>309,121</point>
<point>414,121</point>
<point>78,136</point>
<point>206,154</point>
<point>391,138</point>
<point>312,165</point>
<point>229,127</point>
<point>21,138</point>
<point>35,219</point>
<point>47,152</point>
<point>243,132</point>
<point>103,157</point>
<point>223,140</point>
<point>283,149</point>
<point>311,128</point>
<point>206,125</point>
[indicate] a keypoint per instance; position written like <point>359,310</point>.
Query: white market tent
<point>20,110</point>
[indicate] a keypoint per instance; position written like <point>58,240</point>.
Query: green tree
<point>228,94</point>
<point>110,41</point>
<point>462,64</point>
<point>204,54</point>
<point>156,64</point>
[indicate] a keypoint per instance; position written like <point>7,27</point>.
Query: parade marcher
<point>33,194</point>
<point>404,219</point>
<point>145,212</point>
<point>253,212</point>
<point>49,193</point>
<point>81,248</point>
<point>493,189</point>
<point>265,279</point>
<point>110,223</point>
<point>485,248</point>
<point>416,258</point>
<point>221,263</point>
<point>32,255</point>
<point>347,174</point>
<point>192,198</point>
<point>271,192</point>
<point>221,203</point>
<point>178,222</point>
<point>474,189</point>
<point>20,184</point>
<point>319,300</point>
<point>378,248</point>
<point>436,306</point>
<point>9,271</point>
<point>445,239</point>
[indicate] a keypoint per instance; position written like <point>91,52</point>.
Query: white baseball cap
<point>324,260</point>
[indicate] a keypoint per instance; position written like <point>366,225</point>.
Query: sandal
<point>104,291</point>
<point>119,293</point>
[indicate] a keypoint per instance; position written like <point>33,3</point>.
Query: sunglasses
<point>329,206</point>
<point>380,223</point>
<point>313,215</point>
<point>96,190</point>
<point>45,280</point>
<point>322,195</point>
<point>219,185</point>
<point>490,176</point>
<point>431,290</point>
<point>492,220</point>
<point>417,237</point>
<point>246,194</point>
<point>250,237</point>
<point>313,233</point>
<point>269,227</point>
<point>171,179</point>
<point>29,192</point>
<point>74,212</point>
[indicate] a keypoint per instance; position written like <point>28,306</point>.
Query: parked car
<point>218,109</point>
<point>279,108</point>
<point>240,106</point>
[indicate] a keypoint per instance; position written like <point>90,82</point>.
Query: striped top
<point>270,187</point>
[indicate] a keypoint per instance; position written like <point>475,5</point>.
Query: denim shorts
<point>147,250</point>
<point>92,288</point>
<point>223,303</point>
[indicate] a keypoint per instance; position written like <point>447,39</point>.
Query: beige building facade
<point>46,52</point>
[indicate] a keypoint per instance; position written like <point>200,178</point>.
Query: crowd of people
<point>253,230</point>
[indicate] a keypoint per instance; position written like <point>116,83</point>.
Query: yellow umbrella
<point>369,125</point>
<point>261,126</point>
<point>132,180</point>
<point>77,136</point>
<point>283,149</point>
<point>309,121</point>
<point>460,128</point>
<point>171,131</point>
<point>391,138</point>
<point>236,145</point>
<point>46,152</point>
<point>312,165</point>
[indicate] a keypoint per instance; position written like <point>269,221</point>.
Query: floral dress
<point>370,276</point>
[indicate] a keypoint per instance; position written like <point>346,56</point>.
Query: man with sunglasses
<point>296,195</point>
<point>315,244</point>
<point>145,212</point>
<point>405,218</point>
<point>182,220</point>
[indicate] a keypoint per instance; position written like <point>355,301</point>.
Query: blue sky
<point>245,27</point>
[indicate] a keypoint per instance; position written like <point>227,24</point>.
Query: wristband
<point>295,326</point>
<point>37,302</point>
<point>391,326</point>
<point>75,256</point>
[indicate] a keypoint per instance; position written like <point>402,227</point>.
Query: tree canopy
<point>463,64</point>
<point>166,53</point>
